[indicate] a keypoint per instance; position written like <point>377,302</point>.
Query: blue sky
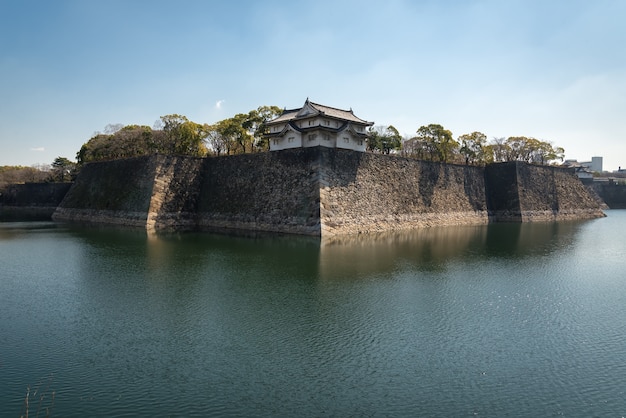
<point>554,70</point>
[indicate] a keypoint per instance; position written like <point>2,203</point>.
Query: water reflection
<point>494,320</point>
<point>355,256</point>
<point>431,249</point>
<point>12,230</point>
<point>529,239</point>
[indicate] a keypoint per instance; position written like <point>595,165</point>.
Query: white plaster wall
<point>353,142</point>
<point>312,143</point>
<point>285,143</point>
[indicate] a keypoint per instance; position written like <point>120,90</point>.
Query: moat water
<point>497,320</point>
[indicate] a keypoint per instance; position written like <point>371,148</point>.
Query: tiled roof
<point>337,113</point>
<point>332,112</point>
<point>286,115</point>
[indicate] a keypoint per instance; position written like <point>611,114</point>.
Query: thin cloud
<point>38,149</point>
<point>218,104</point>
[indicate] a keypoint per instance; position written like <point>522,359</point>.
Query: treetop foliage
<point>15,174</point>
<point>177,135</point>
<point>61,170</point>
<point>384,139</point>
<point>435,143</point>
<point>245,132</point>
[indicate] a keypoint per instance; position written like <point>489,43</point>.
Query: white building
<point>595,165</point>
<point>317,125</point>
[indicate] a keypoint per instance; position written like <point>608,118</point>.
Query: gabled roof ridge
<point>319,109</point>
<point>329,107</point>
<point>285,111</point>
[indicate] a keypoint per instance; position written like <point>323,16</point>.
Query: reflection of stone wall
<point>31,200</point>
<point>317,191</point>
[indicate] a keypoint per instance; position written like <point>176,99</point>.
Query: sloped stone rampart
<point>274,191</point>
<point>519,192</point>
<point>111,192</point>
<point>612,193</point>
<point>175,193</point>
<point>31,201</point>
<point>363,193</point>
<point>318,191</point>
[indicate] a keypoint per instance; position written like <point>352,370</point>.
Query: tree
<point>130,141</point>
<point>184,137</point>
<point>19,174</point>
<point>215,140</point>
<point>230,136</point>
<point>499,150</point>
<point>472,147</point>
<point>488,154</point>
<point>62,169</point>
<point>383,139</point>
<point>521,148</point>
<point>244,132</point>
<point>546,152</point>
<point>255,125</point>
<point>111,128</point>
<point>441,143</point>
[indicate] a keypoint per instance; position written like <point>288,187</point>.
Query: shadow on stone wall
<point>613,194</point>
<point>318,191</point>
<point>31,201</point>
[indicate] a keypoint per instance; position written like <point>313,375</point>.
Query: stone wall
<point>175,193</point>
<point>318,191</point>
<point>111,192</point>
<point>31,201</point>
<point>273,191</point>
<point>519,192</point>
<point>364,192</point>
<point>612,193</point>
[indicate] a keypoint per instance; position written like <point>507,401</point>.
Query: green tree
<point>473,147</point>
<point>184,137</point>
<point>527,149</point>
<point>488,153</point>
<point>62,169</point>
<point>232,136</point>
<point>441,143</point>
<point>129,141</point>
<point>545,152</point>
<point>383,139</point>
<point>519,148</point>
<point>255,125</point>
<point>244,132</point>
<point>216,141</point>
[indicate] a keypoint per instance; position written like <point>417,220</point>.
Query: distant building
<point>581,169</point>
<point>585,169</point>
<point>317,125</point>
<point>595,165</point>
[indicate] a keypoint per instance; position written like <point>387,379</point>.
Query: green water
<point>498,320</point>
